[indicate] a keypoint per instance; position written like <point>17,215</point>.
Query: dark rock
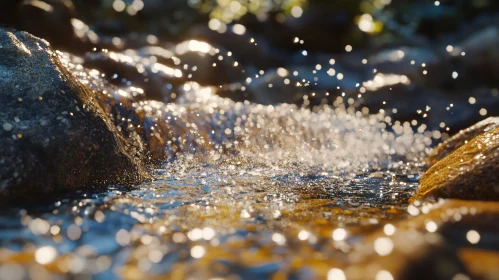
<point>452,219</point>
<point>210,70</point>
<point>415,255</point>
<point>48,19</point>
<point>54,134</point>
<point>157,70</point>
<point>156,79</point>
<point>482,264</point>
<point>160,54</point>
<point>54,21</point>
<point>431,107</point>
<point>470,172</point>
<point>85,39</point>
<point>270,89</point>
<point>482,55</point>
<point>261,55</point>
<point>325,26</point>
<point>399,61</point>
<point>57,22</point>
<point>9,12</point>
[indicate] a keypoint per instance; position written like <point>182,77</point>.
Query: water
<point>242,190</point>
<point>245,222</point>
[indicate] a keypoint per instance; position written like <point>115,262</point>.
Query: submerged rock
<point>462,227</point>
<point>406,254</point>
<point>54,134</point>
<point>482,264</point>
<point>461,138</point>
<point>56,17</point>
<point>470,172</point>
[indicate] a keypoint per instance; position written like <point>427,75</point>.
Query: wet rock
<point>48,19</point>
<point>54,135</point>
<point>57,22</point>
<point>271,89</point>
<point>128,68</point>
<point>482,56</point>
<point>470,172</point>
<point>323,27</point>
<point>461,138</point>
<point>407,254</point>
<point>431,107</point>
<point>465,227</point>
<point>301,85</point>
<point>408,61</point>
<point>482,264</point>
<point>86,39</point>
<point>51,20</point>
<point>451,214</point>
<point>208,65</point>
<point>160,54</point>
<point>430,243</point>
<point>407,103</point>
<point>260,55</point>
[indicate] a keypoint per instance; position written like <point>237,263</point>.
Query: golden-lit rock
<point>461,138</point>
<point>470,172</point>
<point>435,241</point>
<point>445,213</point>
<point>406,254</point>
<point>480,263</point>
<point>464,225</point>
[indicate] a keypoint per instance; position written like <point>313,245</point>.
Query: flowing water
<point>247,191</point>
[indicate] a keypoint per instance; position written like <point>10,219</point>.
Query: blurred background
<point>430,67</point>
<point>431,63</point>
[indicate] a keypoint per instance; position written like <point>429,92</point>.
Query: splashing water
<point>248,190</point>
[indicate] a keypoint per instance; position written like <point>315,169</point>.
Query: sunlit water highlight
<point>246,189</point>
